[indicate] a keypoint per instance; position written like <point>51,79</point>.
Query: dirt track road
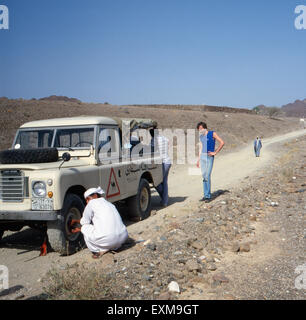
<point>228,169</point>
<point>20,251</point>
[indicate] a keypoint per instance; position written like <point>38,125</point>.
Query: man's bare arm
<point>221,145</point>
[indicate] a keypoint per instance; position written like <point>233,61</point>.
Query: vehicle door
<point>111,167</point>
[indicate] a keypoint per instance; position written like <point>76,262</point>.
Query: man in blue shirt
<point>207,153</point>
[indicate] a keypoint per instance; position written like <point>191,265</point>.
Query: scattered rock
<point>245,247</point>
<point>207,256</point>
<point>220,277</point>
<point>150,246</point>
<point>147,278</point>
<point>210,258</point>
<point>192,265</point>
<point>274,204</point>
<point>211,267</point>
<point>177,253</point>
<point>174,287</point>
<point>178,274</point>
<point>147,242</point>
<point>235,247</point>
<point>197,245</point>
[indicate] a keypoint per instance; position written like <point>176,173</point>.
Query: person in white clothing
<point>161,143</point>
<point>101,224</point>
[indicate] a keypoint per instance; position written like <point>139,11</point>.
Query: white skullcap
<point>91,191</point>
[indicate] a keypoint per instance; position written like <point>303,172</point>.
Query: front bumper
<point>29,215</point>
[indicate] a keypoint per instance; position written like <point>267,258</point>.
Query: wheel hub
<point>144,199</point>
<point>73,214</point>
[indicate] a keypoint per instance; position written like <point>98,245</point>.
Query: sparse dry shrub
<point>78,283</point>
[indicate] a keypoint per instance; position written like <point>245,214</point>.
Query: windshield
<point>64,138</point>
<point>74,138</point>
<point>33,139</point>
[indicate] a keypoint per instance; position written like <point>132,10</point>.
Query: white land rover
<point>52,162</point>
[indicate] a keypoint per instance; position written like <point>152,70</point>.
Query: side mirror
<point>66,156</point>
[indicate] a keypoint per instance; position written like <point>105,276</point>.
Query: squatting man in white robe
<point>101,224</point>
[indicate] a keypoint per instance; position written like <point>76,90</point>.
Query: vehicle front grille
<point>12,186</point>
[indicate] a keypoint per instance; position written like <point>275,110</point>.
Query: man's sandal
<point>98,255</point>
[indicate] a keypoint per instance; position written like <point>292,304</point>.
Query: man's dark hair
<point>203,124</point>
<point>98,195</point>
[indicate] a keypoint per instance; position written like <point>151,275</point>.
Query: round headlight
<point>39,189</point>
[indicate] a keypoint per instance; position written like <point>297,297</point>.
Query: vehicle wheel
<point>60,237</point>
<point>140,205</point>
<point>40,155</point>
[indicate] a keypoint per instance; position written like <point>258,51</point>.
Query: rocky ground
<point>246,244</point>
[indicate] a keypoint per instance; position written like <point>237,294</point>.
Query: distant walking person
<point>257,146</point>
<point>207,154</point>
<point>162,144</point>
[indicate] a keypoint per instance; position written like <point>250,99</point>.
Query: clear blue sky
<point>238,53</point>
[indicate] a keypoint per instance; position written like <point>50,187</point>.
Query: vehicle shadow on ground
<point>156,206</point>
<point>27,239</point>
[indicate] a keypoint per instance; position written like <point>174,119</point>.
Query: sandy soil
<point>20,251</point>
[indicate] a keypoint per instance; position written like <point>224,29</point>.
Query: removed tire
<point>19,156</point>
<point>60,237</point>
<point>139,206</point>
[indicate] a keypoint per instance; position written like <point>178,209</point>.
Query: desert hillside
<point>235,126</point>
<point>294,109</point>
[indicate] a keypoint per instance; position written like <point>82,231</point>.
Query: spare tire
<point>17,156</point>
